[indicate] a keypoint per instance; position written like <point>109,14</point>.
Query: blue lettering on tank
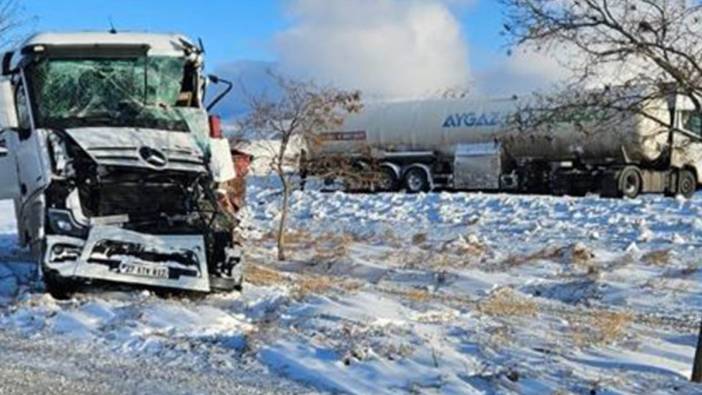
<point>472,119</point>
<point>469,119</point>
<point>449,122</point>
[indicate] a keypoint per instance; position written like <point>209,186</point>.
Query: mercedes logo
<point>153,157</point>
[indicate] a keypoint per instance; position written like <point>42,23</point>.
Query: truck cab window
<point>692,121</point>
<point>138,91</point>
<point>23,117</point>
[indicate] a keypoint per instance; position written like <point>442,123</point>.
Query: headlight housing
<point>61,222</point>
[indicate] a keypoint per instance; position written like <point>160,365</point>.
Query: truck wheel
<point>388,181</point>
<point>59,287</point>
<point>416,180</point>
<point>630,182</point>
<point>687,183</point>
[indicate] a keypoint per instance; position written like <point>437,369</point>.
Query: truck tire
<point>59,287</point>
<point>687,184</point>
<point>416,180</point>
<point>630,182</point>
<point>389,181</point>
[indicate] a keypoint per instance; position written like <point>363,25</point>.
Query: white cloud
<point>523,72</point>
<point>387,48</point>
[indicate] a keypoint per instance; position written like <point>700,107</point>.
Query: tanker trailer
<point>481,145</point>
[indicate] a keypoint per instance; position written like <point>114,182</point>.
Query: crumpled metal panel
<point>116,254</point>
<point>122,147</point>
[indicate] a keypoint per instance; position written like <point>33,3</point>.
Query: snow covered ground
<point>449,293</point>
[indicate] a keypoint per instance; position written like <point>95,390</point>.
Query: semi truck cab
<point>111,158</point>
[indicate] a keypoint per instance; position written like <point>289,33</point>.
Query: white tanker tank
<point>478,144</point>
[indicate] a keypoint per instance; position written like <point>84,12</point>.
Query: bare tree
<point>298,114</point>
<point>636,50</point>
<point>12,17</point>
<point>620,53</point>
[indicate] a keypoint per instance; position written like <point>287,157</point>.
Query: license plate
<point>143,270</point>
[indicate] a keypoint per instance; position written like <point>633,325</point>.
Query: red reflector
<point>215,127</point>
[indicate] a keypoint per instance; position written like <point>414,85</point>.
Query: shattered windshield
<point>119,92</point>
<point>692,121</point>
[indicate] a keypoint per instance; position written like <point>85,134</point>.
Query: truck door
<point>9,187</point>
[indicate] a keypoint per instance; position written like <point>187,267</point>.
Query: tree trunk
<point>283,219</point>
<point>697,365</point>
<point>280,160</point>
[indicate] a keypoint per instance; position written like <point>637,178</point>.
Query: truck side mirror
<point>8,111</point>
<point>216,80</point>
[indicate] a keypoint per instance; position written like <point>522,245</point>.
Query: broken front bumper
<point>115,254</point>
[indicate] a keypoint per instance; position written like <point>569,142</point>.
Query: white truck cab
<point>112,161</point>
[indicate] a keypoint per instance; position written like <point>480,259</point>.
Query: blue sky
<point>388,49</point>
<point>231,29</point>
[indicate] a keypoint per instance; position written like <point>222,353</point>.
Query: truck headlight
<point>62,222</point>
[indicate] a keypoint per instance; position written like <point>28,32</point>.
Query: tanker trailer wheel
<point>388,180</point>
<point>687,183</point>
<point>630,182</point>
<point>416,180</point>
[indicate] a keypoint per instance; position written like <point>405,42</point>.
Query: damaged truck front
<point>113,162</point>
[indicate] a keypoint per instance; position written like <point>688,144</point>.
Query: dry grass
<point>468,246</point>
<point>548,253</point>
<point>473,250</point>
<point>611,325</point>
<point>575,254</point>
<point>331,247</point>
<point>419,239</point>
<point>657,258</point>
<point>295,236</point>
<point>440,261</point>
<point>581,255</point>
<point>504,303</point>
<point>600,327</point>
<point>306,285</point>
<point>690,269</point>
<point>424,259</point>
<point>390,239</point>
<point>263,276</point>
<point>301,284</point>
<point>292,236</point>
<point>413,294</point>
<point>327,247</point>
<point>500,337</point>
<point>418,295</point>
